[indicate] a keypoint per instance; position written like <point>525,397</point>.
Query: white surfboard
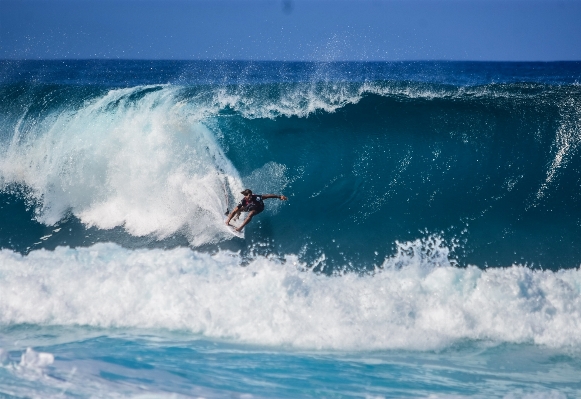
<point>231,228</point>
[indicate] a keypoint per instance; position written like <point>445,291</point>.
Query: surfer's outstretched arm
<point>280,197</point>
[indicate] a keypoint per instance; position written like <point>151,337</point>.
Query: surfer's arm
<point>234,212</point>
<point>280,197</point>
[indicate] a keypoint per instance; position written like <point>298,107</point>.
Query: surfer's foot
<point>238,230</point>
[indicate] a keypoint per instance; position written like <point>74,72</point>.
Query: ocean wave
<point>416,300</point>
<point>130,158</point>
<point>380,160</point>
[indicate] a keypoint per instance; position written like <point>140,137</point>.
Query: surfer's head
<point>246,192</point>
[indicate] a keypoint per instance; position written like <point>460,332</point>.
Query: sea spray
<point>415,300</point>
<point>130,158</point>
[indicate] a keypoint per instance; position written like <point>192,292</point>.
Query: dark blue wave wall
<point>481,172</point>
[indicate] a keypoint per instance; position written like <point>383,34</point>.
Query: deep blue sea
<point>429,247</point>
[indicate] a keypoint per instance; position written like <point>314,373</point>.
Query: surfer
<point>253,204</point>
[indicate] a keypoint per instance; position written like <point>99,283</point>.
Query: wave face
<point>483,156</point>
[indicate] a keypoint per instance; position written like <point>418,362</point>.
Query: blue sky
<point>369,30</point>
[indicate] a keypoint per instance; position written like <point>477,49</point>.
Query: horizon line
<point>279,61</point>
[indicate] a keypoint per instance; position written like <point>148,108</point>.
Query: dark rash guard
<point>255,203</point>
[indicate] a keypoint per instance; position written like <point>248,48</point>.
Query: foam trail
<point>35,360</point>
<point>135,157</point>
<point>567,140</point>
<point>418,300</point>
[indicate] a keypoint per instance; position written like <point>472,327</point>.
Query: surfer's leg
<point>248,219</point>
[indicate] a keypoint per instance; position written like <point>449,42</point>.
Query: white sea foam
<point>418,300</point>
<point>35,360</point>
<point>135,157</point>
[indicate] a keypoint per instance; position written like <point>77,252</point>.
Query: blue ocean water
<point>428,247</point>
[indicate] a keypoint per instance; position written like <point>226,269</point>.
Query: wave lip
<point>417,300</point>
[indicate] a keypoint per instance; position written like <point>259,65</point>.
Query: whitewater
<point>428,247</point>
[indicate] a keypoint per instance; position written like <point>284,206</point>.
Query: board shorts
<point>254,207</point>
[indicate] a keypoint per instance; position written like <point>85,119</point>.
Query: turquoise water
<point>105,363</point>
<point>428,247</point>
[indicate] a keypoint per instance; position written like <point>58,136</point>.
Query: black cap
<point>246,192</point>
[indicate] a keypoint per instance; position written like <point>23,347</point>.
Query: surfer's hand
<point>283,198</point>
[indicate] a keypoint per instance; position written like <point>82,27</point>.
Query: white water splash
<point>135,157</point>
<point>35,360</point>
<point>567,140</point>
<point>417,300</point>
